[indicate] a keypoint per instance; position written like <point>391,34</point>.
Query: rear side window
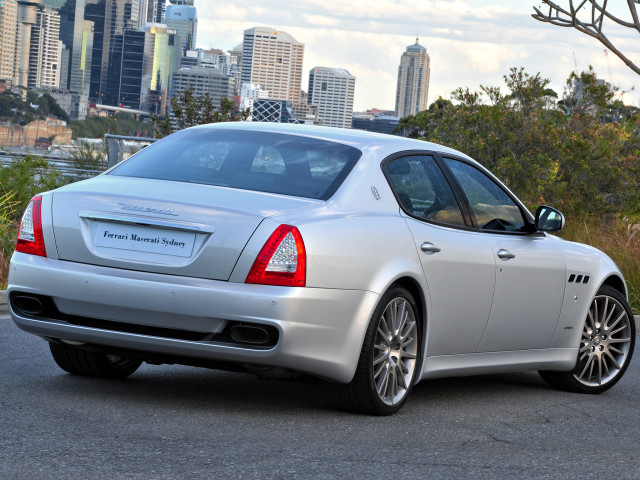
<point>260,161</point>
<point>423,190</point>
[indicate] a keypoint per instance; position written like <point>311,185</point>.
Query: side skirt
<point>560,359</point>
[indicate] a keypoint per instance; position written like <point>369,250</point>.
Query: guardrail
<point>116,147</point>
<point>63,165</point>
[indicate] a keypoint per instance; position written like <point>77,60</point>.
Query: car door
<point>458,264</point>
<point>530,267</point>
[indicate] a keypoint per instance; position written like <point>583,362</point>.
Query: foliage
<point>189,110</point>
<point>19,182</point>
<point>47,105</point>
<point>26,177</point>
<point>121,123</point>
<point>7,233</point>
<point>36,107</point>
<point>577,162</point>
<point>89,158</point>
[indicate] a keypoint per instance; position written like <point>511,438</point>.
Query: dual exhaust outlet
<point>239,333</point>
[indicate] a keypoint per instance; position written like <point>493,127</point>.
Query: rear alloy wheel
<point>606,346</point>
<point>92,364</point>
<point>387,366</point>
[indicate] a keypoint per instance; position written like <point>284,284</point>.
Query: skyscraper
<point>77,36</point>
<point>8,21</point>
<point>332,90</point>
<point>27,14</point>
<point>413,81</point>
<point>155,10</point>
<point>150,55</point>
<point>273,60</point>
<point>111,18</point>
<point>184,19</point>
<point>45,53</point>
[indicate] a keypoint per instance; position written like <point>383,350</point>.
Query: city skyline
<point>470,43</point>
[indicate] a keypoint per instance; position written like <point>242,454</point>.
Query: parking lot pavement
<point>170,421</point>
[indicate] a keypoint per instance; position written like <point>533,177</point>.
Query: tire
<point>388,362</point>
<point>606,346</point>
<point>92,364</point>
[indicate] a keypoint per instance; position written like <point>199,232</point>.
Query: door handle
<point>505,254</point>
<point>429,248</point>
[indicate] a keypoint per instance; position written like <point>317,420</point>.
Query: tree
<point>590,21</point>
<point>89,158</point>
<point>576,161</point>
<point>26,177</point>
<point>120,123</point>
<point>189,110</point>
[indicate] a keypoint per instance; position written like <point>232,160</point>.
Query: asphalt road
<point>173,422</point>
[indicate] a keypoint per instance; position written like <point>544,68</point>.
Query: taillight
<point>282,261</point>
<point>30,238</point>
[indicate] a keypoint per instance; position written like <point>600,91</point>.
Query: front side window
<point>492,207</point>
<point>423,190</point>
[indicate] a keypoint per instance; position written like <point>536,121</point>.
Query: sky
<point>470,42</point>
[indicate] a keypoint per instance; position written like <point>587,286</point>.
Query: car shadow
<point>196,389</point>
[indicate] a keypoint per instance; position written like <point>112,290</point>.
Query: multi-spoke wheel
<point>606,346</point>
<point>395,351</point>
<point>389,358</point>
<point>92,364</point>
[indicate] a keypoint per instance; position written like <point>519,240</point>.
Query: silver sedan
<point>368,261</point>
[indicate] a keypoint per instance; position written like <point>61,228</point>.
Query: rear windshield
<point>265,162</point>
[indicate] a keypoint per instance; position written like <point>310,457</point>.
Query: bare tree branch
<point>563,17</point>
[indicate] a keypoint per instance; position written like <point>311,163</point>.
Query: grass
<point>8,233</point>
<point>618,238</point>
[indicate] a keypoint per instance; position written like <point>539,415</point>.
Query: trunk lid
<point>160,226</point>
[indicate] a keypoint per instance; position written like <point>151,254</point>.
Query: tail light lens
<point>282,261</point>
<point>30,238</point>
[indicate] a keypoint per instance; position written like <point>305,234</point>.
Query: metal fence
<point>65,166</point>
<point>117,147</point>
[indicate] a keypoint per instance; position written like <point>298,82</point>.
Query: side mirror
<point>549,219</point>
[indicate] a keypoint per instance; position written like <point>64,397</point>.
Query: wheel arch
<point>615,281</point>
<point>416,291</point>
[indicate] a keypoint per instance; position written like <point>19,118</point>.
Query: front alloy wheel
<point>606,346</point>
<point>389,358</point>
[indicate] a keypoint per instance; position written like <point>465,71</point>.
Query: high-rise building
<point>155,11</point>
<point>45,52</point>
<point>149,56</point>
<point>27,14</point>
<point>273,60</point>
<point>111,19</point>
<point>413,81</point>
<point>203,80</point>
<point>331,90</point>
<point>77,36</point>
<point>184,19</point>
<point>8,22</point>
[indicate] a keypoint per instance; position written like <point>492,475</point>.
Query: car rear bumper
<point>320,331</point>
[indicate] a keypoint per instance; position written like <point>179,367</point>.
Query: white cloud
<point>470,42</point>
<point>320,20</point>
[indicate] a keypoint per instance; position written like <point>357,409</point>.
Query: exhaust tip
<point>250,334</point>
<point>28,304</point>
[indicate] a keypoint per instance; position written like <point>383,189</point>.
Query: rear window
<point>260,161</point>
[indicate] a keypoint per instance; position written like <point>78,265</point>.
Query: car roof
<point>383,144</point>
